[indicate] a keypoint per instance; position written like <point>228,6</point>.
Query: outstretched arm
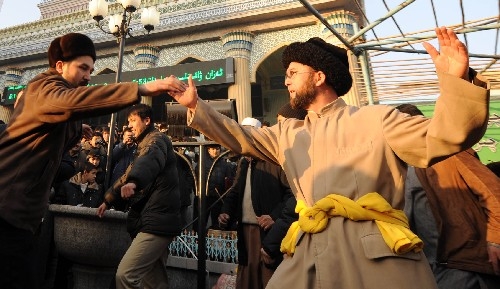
<point>452,57</point>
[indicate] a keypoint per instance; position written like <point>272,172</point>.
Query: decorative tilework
<point>238,44</point>
<point>35,37</point>
<point>146,55</point>
<point>263,45</point>
<point>204,51</point>
<point>26,76</point>
<point>266,43</point>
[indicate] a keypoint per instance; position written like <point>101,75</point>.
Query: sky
<point>416,16</point>
<point>11,15</point>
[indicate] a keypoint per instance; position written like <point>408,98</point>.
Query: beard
<point>305,96</point>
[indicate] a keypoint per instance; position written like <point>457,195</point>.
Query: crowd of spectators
<point>93,153</point>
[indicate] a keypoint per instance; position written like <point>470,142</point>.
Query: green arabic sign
<point>10,93</point>
<point>204,73</point>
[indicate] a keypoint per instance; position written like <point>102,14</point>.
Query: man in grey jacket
<point>46,123</point>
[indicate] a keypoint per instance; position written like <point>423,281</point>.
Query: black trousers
<point>17,254</point>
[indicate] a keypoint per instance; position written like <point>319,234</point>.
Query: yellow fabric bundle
<point>392,223</point>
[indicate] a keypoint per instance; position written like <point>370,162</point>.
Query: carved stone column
<point>342,21</point>
<point>13,77</point>
<point>238,44</point>
<point>146,56</point>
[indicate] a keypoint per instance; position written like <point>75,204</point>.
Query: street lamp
<point>119,26</point>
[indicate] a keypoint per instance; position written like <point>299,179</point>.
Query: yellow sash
<point>392,223</point>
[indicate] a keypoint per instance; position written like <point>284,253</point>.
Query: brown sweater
<point>47,122</point>
<point>464,196</point>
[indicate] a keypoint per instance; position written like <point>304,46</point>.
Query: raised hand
<point>168,85</point>
<point>189,97</point>
<point>452,57</point>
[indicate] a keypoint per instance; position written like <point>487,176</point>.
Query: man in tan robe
<point>350,152</point>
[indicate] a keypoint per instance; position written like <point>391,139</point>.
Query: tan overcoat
<point>354,151</point>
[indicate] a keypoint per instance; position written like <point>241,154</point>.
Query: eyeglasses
<point>292,74</point>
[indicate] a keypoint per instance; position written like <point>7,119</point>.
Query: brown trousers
<point>255,274</point>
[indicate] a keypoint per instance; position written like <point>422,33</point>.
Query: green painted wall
<point>489,146</point>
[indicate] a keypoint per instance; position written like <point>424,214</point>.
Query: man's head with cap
<point>73,56</point>
<point>319,56</point>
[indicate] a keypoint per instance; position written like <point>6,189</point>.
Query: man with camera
<point>123,154</point>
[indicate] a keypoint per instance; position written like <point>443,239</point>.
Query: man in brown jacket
<point>343,159</point>
<point>454,207</point>
<point>46,123</point>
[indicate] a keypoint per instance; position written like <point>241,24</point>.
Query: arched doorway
<point>269,92</point>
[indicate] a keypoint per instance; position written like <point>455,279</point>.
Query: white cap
<point>250,121</point>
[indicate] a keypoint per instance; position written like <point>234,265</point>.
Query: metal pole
<point>380,20</point>
<point>366,76</point>
<point>327,25</point>
<point>123,30</point>
<point>417,51</point>
<point>202,253</point>
<point>365,68</point>
<point>426,36</point>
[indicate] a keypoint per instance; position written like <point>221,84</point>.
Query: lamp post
<point>119,26</point>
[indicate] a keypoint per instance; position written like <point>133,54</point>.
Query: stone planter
<point>94,245</point>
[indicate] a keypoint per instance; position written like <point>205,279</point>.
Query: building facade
<point>232,48</point>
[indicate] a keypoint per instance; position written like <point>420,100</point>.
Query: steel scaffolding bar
<point>327,25</point>
<point>425,36</point>
<point>378,21</point>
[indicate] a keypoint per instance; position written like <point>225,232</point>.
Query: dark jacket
<point>72,193</point>
<point>270,191</point>
<point>77,160</point>
<point>464,196</point>
<point>155,207</point>
<point>122,157</point>
<point>67,169</point>
<point>186,180</point>
<point>272,241</point>
<point>221,175</point>
<point>45,124</point>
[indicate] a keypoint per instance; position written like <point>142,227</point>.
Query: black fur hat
<point>320,55</point>
<point>70,46</point>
